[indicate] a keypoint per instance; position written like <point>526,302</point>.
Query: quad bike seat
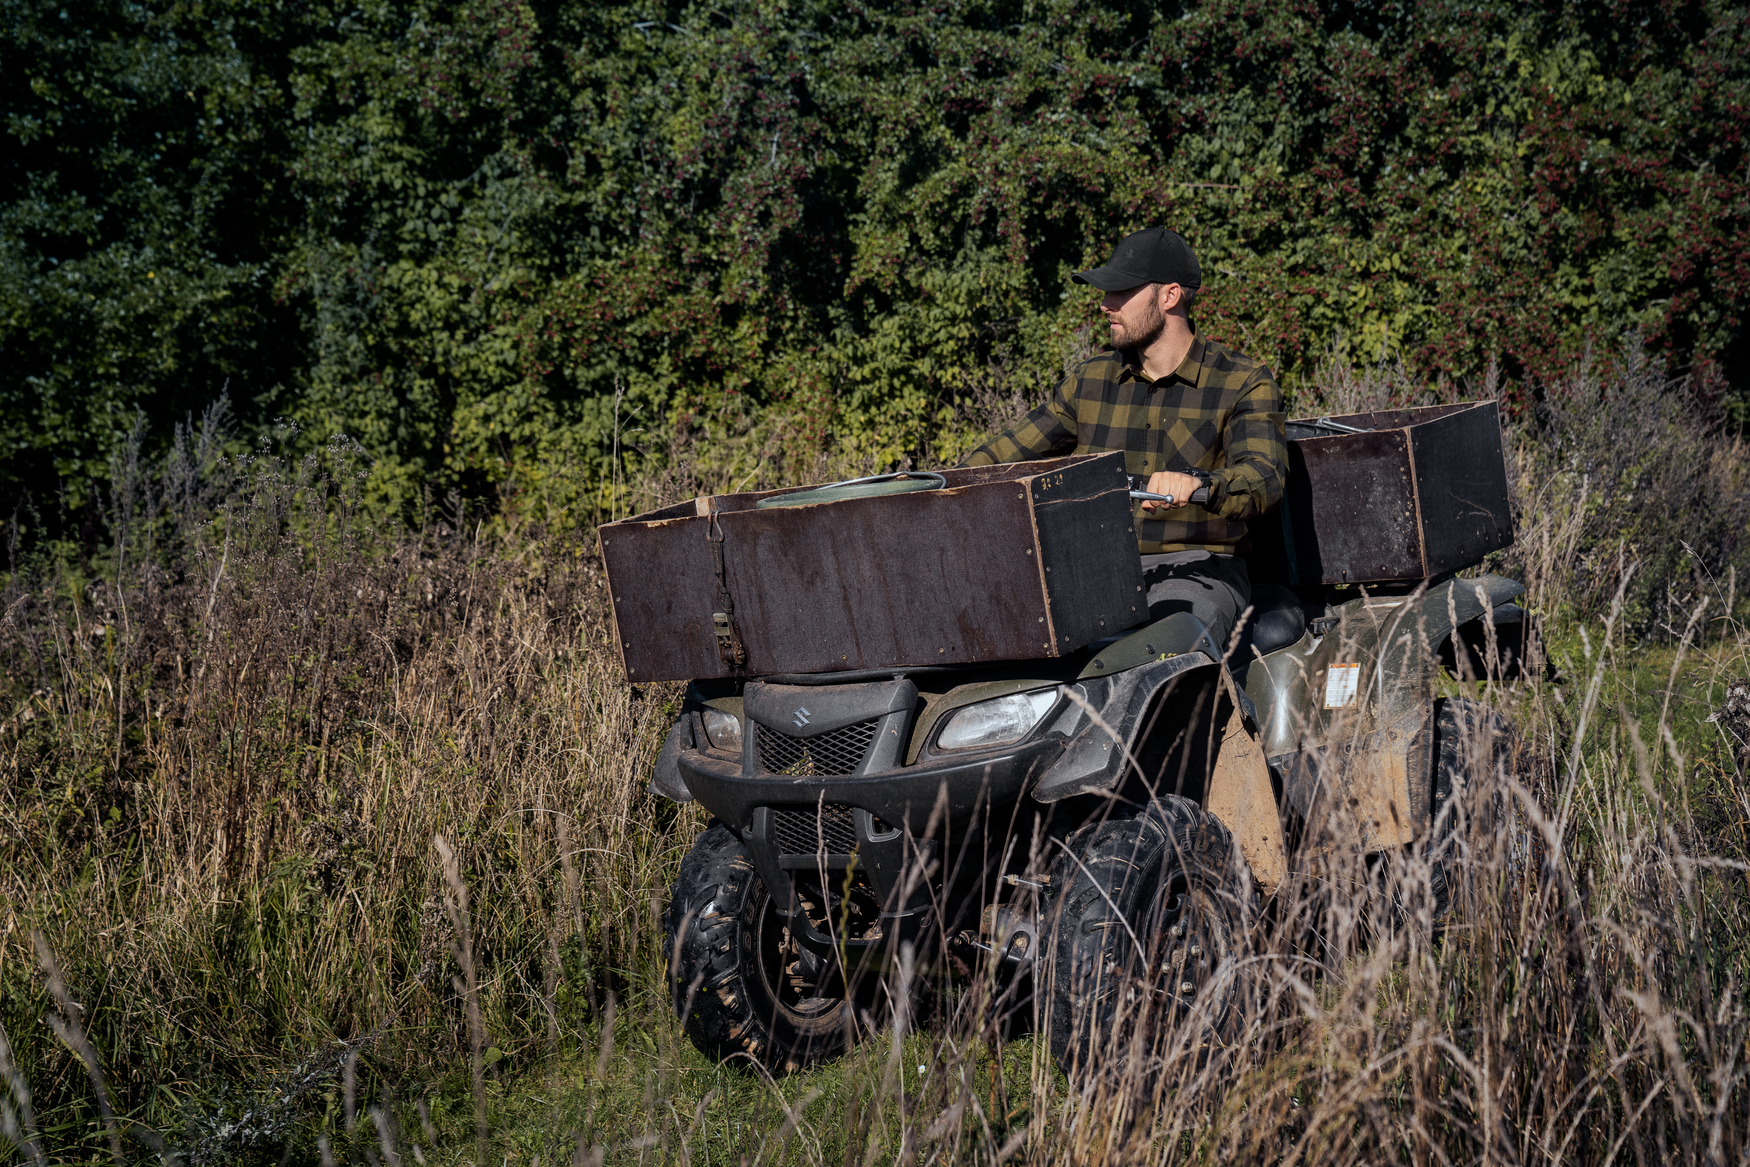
<point>1277,620</point>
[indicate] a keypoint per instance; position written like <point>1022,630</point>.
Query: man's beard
<point>1145,334</point>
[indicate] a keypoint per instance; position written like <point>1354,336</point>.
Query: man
<point>1186,412</point>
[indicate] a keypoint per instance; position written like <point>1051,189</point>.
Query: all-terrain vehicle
<point>1102,821</point>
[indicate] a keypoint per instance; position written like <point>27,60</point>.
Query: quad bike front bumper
<point>891,826</point>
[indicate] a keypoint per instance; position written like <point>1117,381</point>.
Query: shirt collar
<point>1190,370</point>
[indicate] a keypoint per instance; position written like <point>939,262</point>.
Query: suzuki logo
<point>800,717</point>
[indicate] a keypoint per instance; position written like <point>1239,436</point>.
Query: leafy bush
<point>509,247</point>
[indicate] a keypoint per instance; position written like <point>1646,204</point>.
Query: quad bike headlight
<point>997,721</point>
<point>723,730</point>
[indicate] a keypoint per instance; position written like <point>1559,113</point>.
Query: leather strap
<point>729,646</point>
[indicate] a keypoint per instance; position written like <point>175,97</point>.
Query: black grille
<point>800,832</point>
<point>837,752</point>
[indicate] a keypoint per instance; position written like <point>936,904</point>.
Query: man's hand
<point>1178,485</point>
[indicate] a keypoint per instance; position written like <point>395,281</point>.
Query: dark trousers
<point>1214,588</point>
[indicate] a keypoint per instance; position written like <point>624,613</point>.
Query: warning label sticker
<point>1340,685</point>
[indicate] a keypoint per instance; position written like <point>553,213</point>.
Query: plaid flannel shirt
<point>1219,411</point>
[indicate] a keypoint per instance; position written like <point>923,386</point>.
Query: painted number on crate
<point>1340,685</point>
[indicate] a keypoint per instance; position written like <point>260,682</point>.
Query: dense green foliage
<point>486,237</point>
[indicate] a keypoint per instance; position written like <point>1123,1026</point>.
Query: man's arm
<point>1046,430</point>
<point>1255,442</point>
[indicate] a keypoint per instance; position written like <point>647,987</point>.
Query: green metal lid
<point>880,484</point>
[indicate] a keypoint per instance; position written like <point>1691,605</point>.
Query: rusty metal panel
<point>1087,544</point>
<point>661,576</point>
<point>1422,492</point>
<point>1461,488</point>
<point>935,577</point>
<point>1362,494</point>
<point>1389,419</point>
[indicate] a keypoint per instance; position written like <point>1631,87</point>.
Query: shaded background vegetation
<point>484,239</point>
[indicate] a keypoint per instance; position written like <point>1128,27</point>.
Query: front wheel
<point>742,985</point>
<point>1146,930</point>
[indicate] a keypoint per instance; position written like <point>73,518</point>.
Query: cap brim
<point>1109,279</point>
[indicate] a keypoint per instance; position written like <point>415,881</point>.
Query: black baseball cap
<point>1154,256</point>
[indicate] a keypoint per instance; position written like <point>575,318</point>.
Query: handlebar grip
<point>1200,496</point>
<point>1139,490</point>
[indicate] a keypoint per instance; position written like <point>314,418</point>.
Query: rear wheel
<point>742,985</point>
<point>1148,916</point>
<point>1475,814</point>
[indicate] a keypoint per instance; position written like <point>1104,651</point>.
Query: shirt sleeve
<point>1256,446</point>
<point>1046,430</point>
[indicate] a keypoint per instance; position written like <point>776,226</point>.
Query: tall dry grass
<point>322,839</point>
<point>233,747</point>
<point>1586,1003</point>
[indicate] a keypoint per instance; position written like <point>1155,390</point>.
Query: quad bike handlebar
<point>1198,496</point>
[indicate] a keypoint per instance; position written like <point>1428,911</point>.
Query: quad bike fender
<point>1135,670</point>
<point>667,780</point>
<point>1372,771</point>
<point>1403,645</point>
<point>1485,632</point>
<point>1120,680</point>
<point>1095,758</point>
<point>1455,603</point>
<point>1369,790</point>
<point>1403,648</point>
<point>1395,761</point>
<point>1239,791</point>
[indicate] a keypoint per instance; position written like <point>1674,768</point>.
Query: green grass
<point>654,1093</point>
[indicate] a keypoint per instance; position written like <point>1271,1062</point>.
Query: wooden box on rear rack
<point>1395,495</point>
<point>1012,562</point>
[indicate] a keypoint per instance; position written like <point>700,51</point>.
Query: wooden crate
<point>1012,562</point>
<point>1422,493</point>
